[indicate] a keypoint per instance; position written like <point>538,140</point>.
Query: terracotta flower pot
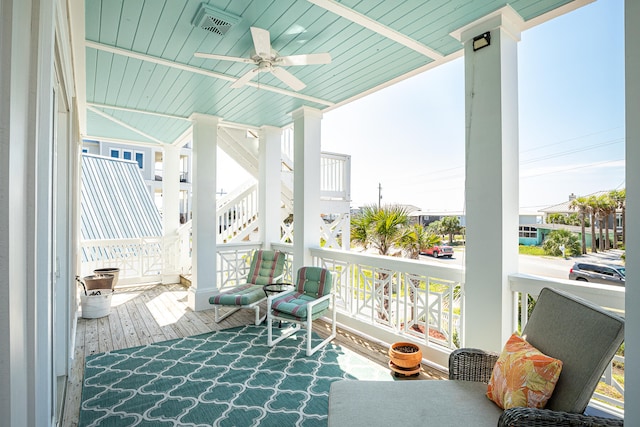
<point>405,354</point>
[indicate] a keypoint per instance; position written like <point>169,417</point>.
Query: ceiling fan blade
<point>244,79</point>
<point>309,59</point>
<point>223,57</point>
<point>261,42</point>
<point>292,81</point>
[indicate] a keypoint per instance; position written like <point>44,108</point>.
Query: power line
<point>570,139</point>
<point>573,168</point>
<point>573,151</point>
<point>437,175</point>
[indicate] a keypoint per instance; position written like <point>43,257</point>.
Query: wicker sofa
<point>584,336</point>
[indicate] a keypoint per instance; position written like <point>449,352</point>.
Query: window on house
<point>127,155</point>
<point>114,153</point>
<point>528,232</point>
<point>140,159</point>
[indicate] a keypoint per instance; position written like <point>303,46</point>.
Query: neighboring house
<point>150,162</point>
<point>426,218</point>
<point>564,208</point>
<point>532,235</point>
<point>528,231</point>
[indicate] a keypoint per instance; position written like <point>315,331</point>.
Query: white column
<point>204,268</point>
<point>170,208</point>
<point>306,184</point>
<point>632,296</point>
<point>346,227</point>
<point>26,245</point>
<point>269,184</point>
<point>491,97</point>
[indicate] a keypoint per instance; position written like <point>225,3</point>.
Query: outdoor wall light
<point>483,40</point>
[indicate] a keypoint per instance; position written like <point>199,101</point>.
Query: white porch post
<point>204,268</point>
<point>269,184</point>
<point>27,109</point>
<point>491,93</point>
<point>170,208</point>
<point>306,184</point>
<point>632,296</point>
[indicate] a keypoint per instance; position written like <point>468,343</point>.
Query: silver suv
<point>598,273</point>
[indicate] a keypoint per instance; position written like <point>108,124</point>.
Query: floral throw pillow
<point>523,376</point>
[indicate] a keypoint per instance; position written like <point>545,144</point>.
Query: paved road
<point>555,267</point>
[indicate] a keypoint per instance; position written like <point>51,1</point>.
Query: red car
<point>439,251</point>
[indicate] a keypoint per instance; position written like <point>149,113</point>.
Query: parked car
<point>439,251</point>
<point>598,273</point>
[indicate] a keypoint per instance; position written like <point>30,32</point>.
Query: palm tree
<point>435,227</point>
<point>592,202</point>
<point>380,228</point>
<point>450,225</point>
<point>555,218</point>
<point>608,205</point>
<point>581,204</point>
<point>601,214</point>
<point>415,238</point>
<point>618,197</point>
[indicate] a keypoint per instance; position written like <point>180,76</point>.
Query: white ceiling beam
<point>123,124</point>
<point>134,110</point>
<point>192,69</point>
<point>383,30</point>
<point>223,123</point>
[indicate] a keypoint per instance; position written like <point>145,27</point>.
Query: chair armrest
<point>471,364</point>
<point>516,417</point>
<point>319,300</point>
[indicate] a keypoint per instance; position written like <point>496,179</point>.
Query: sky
<point>409,138</point>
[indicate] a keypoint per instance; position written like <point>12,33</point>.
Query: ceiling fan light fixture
<point>214,20</point>
<point>265,59</point>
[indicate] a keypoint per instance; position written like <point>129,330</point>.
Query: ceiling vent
<point>214,20</point>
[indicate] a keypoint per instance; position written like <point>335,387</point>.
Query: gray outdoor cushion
<point>397,403</point>
<point>581,334</point>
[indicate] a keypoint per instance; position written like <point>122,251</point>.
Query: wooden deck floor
<point>151,313</point>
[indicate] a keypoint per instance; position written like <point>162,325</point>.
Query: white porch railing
<point>139,260</point>
<point>335,175</point>
<point>405,296</point>
<point>335,169</point>
<point>234,261</point>
<point>237,213</point>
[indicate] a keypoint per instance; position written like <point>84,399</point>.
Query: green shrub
<point>557,238</point>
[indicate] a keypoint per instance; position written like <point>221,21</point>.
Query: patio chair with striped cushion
<point>311,298</point>
<point>266,267</point>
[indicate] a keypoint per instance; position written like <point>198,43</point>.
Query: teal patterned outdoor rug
<point>224,378</point>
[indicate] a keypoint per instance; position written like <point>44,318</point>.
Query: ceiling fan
<point>268,60</point>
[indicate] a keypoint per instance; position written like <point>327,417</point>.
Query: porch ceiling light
<point>483,40</point>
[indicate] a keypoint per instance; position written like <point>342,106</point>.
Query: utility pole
<point>379,194</point>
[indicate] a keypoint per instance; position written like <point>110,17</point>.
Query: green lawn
<point>531,250</point>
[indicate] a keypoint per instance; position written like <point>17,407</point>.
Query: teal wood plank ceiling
<point>139,57</point>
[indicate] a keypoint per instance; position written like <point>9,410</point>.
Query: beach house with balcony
<point>128,71</point>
